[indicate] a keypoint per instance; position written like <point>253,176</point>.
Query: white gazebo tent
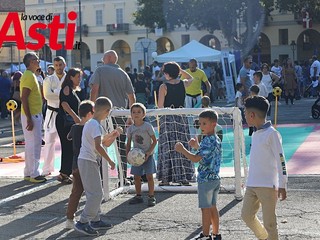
<point>202,53</point>
<point>195,50</point>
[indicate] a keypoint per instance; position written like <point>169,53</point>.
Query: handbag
<point>68,121</point>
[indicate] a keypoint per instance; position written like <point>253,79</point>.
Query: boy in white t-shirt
<point>257,76</point>
<point>267,178</point>
<point>89,161</point>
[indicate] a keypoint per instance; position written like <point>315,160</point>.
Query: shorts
<point>208,193</point>
<point>148,167</point>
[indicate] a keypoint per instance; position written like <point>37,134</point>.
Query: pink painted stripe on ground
<point>306,160</point>
<point>297,125</point>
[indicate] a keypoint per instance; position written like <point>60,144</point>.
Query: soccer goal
<point>181,125</point>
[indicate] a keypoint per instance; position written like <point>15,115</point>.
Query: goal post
<point>233,162</point>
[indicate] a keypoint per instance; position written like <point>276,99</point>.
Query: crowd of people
<point>296,79</point>
<point>81,128</point>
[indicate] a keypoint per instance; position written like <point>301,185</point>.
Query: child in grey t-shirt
<point>142,135</point>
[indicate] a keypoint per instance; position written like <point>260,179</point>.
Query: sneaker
<point>185,183</point>
<point>85,228</point>
<point>202,237</point>
<point>151,201</point>
<point>26,178</point>
<point>39,179</point>
<point>136,199</point>
<point>69,224</point>
<point>98,225</point>
<point>216,237</point>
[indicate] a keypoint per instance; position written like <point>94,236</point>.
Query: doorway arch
<point>211,41</point>
<point>86,56</point>
<point>123,50</point>
<point>164,45</point>
<point>308,44</point>
<point>261,51</point>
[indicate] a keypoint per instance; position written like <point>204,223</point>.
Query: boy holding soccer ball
<point>143,136</point>
<point>209,157</point>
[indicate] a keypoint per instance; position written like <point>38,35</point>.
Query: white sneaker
<point>69,224</point>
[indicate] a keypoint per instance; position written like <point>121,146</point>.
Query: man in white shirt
<point>314,75</point>
<point>51,91</point>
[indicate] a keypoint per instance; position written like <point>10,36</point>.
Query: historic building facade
<point>108,24</point>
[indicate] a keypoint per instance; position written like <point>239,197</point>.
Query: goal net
<point>180,125</point>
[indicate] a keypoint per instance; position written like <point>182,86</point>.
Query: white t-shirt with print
<point>91,130</point>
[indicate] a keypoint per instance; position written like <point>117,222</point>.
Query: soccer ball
<point>277,91</point>
<point>136,157</point>
<point>11,105</point>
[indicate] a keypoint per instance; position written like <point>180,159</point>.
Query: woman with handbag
<point>66,117</point>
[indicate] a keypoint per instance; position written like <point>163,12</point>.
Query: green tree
<point>297,6</point>
<point>150,13</point>
<point>207,15</point>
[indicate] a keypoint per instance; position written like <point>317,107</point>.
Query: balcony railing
<point>118,28</point>
<point>85,30</point>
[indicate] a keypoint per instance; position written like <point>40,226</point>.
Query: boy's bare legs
<point>210,216</point>
<point>150,184</point>
<point>137,184</point>
<point>206,221</point>
<point>214,219</point>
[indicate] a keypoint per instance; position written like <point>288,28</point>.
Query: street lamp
<point>80,33</point>
<point>293,48</point>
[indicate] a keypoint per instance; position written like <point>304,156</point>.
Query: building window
<point>119,15</point>
<point>40,1</point>
<point>100,47</point>
<point>99,17</point>
<point>185,38</point>
<point>283,36</point>
<point>62,17</point>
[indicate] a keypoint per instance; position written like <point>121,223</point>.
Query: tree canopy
<point>240,21</point>
<point>207,15</point>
